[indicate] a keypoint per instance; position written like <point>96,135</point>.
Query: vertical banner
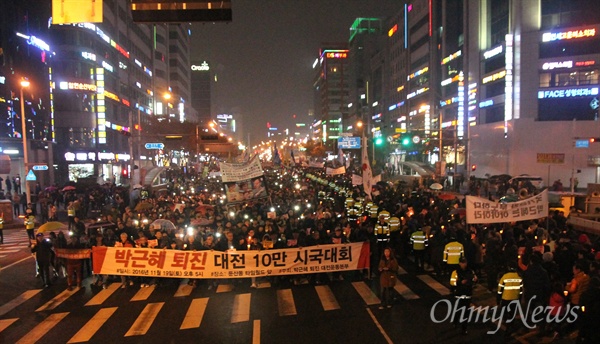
<point>367,175</point>
<point>243,182</point>
<point>76,11</point>
<point>481,210</point>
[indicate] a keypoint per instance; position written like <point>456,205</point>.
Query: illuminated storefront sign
<point>202,67</point>
<point>585,63</point>
<point>417,92</point>
<point>65,85</point>
<point>508,83</point>
<point>558,36</point>
<point>393,30</point>
<point>494,77</point>
<point>554,65</point>
<point>451,57</point>
<point>460,117</point>
<point>337,55</point>
<point>486,103</point>
<point>107,66</point>
<point>417,73</point>
<point>88,56</point>
<point>111,95</point>
<point>101,107</point>
<point>36,42</point>
<point>493,52</point>
<point>568,93</point>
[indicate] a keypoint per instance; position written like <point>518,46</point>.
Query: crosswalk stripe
<point>183,290</point>
<point>143,293</point>
<point>401,271</point>
<point>42,328</point>
<point>91,327</point>
<point>437,286</point>
<point>103,295</point>
<point>405,292</point>
<point>224,288</point>
<point>327,298</point>
<point>366,293</point>
<point>9,306</point>
<point>2,256</point>
<point>256,332</point>
<point>145,319</point>
<point>4,323</point>
<point>285,302</point>
<point>241,308</point>
<point>57,300</point>
<point>10,251</point>
<point>194,315</point>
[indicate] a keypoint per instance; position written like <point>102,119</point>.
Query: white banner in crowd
<point>239,172</point>
<point>243,182</point>
<point>481,210</point>
<point>335,171</point>
<point>357,180</point>
<point>231,264</point>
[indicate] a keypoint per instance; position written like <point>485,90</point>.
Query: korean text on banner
<point>335,171</point>
<point>67,253</point>
<point>230,264</point>
<point>481,210</point>
<point>239,172</point>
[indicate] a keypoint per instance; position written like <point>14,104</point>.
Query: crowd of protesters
<point>557,263</point>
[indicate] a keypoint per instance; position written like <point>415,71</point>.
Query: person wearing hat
<point>43,257</point>
<point>29,222</point>
<point>462,281</point>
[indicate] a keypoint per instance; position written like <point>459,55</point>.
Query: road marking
<point>405,292</point>
<point>4,323</point>
<point>40,330</point>
<point>401,271</point>
<point>93,325</point>
<point>387,338</point>
<point>224,288</point>
<point>145,319</point>
<point>327,298</point>
<point>57,300</point>
<point>9,306</point>
<point>366,293</point>
<point>437,286</point>
<point>143,293</point>
<point>285,302</point>
<point>241,308</point>
<point>2,256</point>
<point>256,332</point>
<point>194,315</point>
<point>263,285</point>
<point>183,290</point>
<point>103,295</point>
<point>15,263</point>
<point>10,251</point>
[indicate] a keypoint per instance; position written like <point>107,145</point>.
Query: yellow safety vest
<point>453,278</point>
<point>382,231</point>
<point>349,202</point>
<point>71,211</point>
<point>453,251</point>
<point>373,210</point>
<point>510,286</point>
<point>385,214</point>
<point>30,222</point>
<point>419,240</point>
<point>1,223</point>
<point>394,223</point>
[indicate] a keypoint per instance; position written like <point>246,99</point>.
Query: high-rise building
<point>201,81</point>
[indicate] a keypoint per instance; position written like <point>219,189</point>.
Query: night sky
<point>264,57</point>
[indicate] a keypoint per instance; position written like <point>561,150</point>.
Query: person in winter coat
<point>388,266</point>
<point>43,256</point>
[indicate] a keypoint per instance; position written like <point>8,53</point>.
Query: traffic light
<point>378,141</point>
<point>473,167</point>
<point>405,141</point>
<point>594,139</point>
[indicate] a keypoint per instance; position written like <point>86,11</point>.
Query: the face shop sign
<point>202,67</point>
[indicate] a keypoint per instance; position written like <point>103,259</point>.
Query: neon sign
<point>393,30</point>
<point>553,65</point>
<point>36,42</point>
<point>568,93</point>
<point>340,55</point>
<point>493,52</point>
<point>417,73</point>
<point>202,67</point>
<point>494,77</point>
<point>574,34</point>
<point>65,85</point>
<point>451,57</point>
<point>111,95</point>
<point>417,92</point>
<point>88,56</point>
<point>486,103</point>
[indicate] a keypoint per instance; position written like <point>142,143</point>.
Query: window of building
<point>499,20</point>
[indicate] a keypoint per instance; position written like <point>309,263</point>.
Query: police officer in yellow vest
<point>29,224</point>
<point>352,214</point>
<point>453,252</point>
<point>349,203</point>
<point>394,223</point>
<point>419,243</point>
<point>385,214</point>
<point>71,214</point>
<point>382,232</point>
<point>510,289</point>
<point>373,210</point>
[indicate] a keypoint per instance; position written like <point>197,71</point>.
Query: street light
<point>25,83</point>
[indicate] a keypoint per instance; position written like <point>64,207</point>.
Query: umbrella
<point>163,224</point>
<point>68,188</point>
<point>51,188</point>
<point>436,186</point>
<point>143,206</point>
<point>51,226</point>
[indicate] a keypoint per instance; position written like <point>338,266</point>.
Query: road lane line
<point>366,293</point>
<point>401,271</point>
<point>405,292</point>
<point>10,251</point>
<point>285,302</point>
<point>183,290</point>
<point>224,288</point>
<point>40,330</point>
<point>241,308</point>
<point>195,313</point>
<point>57,300</point>
<point>93,325</point>
<point>143,293</point>
<point>145,319</point>
<point>4,323</point>
<point>17,301</point>
<point>387,338</point>
<point>15,263</point>
<point>437,286</point>
<point>327,298</point>
<point>256,332</point>
<point>103,295</point>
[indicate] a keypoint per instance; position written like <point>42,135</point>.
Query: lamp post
<point>25,83</point>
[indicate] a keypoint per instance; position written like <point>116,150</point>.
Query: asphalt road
<point>277,312</point>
